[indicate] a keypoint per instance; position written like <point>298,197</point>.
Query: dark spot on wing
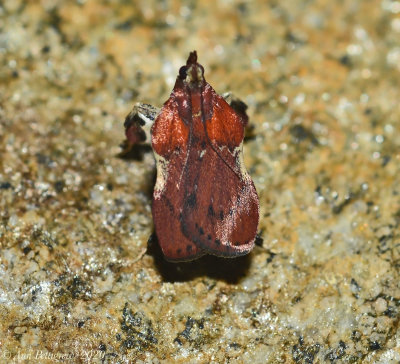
<point>189,248</point>
<point>208,237</point>
<point>217,242</point>
<point>201,231</point>
<point>211,211</point>
<point>191,200</point>
<point>170,206</point>
<point>203,144</point>
<point>221,215</point>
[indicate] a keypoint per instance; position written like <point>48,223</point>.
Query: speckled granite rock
<point>76,282</point>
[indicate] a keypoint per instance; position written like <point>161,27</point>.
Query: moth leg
<point>240,107</point>
<point>137,126</point>
<point>237,104</point>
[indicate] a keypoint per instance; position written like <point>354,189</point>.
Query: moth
<point>204,200</point>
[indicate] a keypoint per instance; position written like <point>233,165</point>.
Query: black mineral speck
<point>187,334</point>
<point>5,185</point>
<point>374,345</point>
<point>102,347</point>
<point>137,329</point>
<point>300,133</point>
<point>26,250</point>
<point>337,353</point>
<point>59,186</point>
<point>345,60</point>
<point>302,353</point>
<point>391,312</point>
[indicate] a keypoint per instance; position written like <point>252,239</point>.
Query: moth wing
<point>169,140</point>
<point>221,209</point>
<point>175,246</point>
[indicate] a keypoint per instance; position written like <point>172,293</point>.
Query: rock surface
<point>77,284</point>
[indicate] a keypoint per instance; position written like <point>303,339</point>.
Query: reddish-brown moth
<point>204,201</point>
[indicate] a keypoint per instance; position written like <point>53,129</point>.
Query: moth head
<point>193,72</point>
